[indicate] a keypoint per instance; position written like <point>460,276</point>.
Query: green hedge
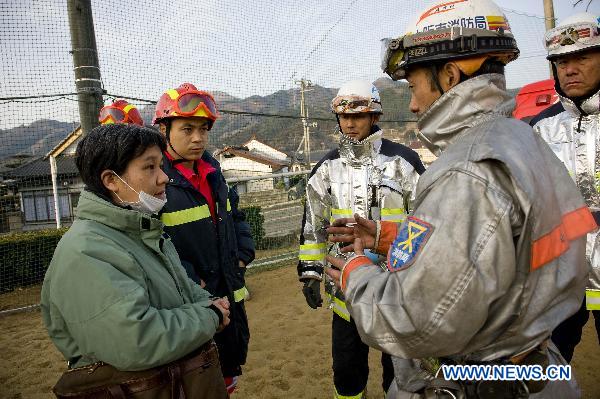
<point>256,221</point>
<point>24,257</point>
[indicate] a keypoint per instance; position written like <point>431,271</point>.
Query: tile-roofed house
<point>254,158</point>
<point>34,185</point>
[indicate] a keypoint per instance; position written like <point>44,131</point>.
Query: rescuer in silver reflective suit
<point>368,175</point>
<point>572,129</point>
<point>491,258</point>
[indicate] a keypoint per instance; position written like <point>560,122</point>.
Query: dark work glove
<point>312,293</point>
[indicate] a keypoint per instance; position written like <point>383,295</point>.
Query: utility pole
<point>85,63</point>
<point>304,85</point>
<point>550,21</point>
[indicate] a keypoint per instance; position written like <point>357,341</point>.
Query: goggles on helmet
<point>111,112</point>
<point>354,104</point>
<point>188,103</point>
<point>583,34</point>
<point>118,114</point>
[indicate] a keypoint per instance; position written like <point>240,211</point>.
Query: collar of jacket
<point>357,151</point>
<point>590,106</point>
<point>467,104</point>
<point>176,178</point>
<point>92,207</point>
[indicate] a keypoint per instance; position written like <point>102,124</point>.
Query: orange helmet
<point>186,101</point>
<point>120,112</point>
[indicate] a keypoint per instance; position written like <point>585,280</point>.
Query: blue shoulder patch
<point>411,238</point>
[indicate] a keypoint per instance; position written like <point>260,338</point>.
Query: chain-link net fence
<point>260,59</point>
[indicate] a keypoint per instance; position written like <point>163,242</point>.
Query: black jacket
<point>211,251</point>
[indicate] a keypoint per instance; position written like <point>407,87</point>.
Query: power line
<point>525,14</point>
<point>248,113</point>
<point>324,36</point>
<point>36,96</point>
<point>6,100</point>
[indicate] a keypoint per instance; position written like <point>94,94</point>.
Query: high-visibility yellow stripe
<point>313,246</point>
<point>228,205</point>
<point>339,307</point>
<point>312,252</point>
<point>395,215</point>
<point>173,94</point>
<point>313,257</point>
<point>392,211</point>
<point>592,299</point>
<point>341,212</point>
<point>336,395</point>
<point>239,295</point>
<point>185,216</point>
<point>128,108</point>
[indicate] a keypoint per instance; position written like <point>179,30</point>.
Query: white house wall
<point>244,164</point>
<point>252,185</point>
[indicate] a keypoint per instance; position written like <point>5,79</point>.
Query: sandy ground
<point>289,350</point>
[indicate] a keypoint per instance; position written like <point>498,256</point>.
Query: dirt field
<point>289,350</point>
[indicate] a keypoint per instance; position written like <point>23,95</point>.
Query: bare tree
<point>581,1</point>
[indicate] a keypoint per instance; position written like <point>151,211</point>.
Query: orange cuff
<point>387,235</point>
<point>575,224</point>
<point>357,261</point>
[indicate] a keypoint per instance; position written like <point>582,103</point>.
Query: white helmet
<point>579,32</point>
<point>458,29</point>
<point>355,97</point>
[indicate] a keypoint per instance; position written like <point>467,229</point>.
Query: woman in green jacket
<point>115,294</point>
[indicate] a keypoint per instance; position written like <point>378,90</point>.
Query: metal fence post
<point>54,177</point>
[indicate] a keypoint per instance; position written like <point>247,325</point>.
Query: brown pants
<point>197,375</point>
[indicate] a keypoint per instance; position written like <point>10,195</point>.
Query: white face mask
<point>147,203</point>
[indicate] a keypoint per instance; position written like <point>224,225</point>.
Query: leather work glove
<point>312,293</point>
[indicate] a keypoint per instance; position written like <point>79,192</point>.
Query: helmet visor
<point>582,35</point>
<point>189,103</point>
<point>116,114</point>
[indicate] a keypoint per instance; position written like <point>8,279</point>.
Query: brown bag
<point>197,375</point>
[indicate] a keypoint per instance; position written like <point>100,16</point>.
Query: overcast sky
<point>237,46</point>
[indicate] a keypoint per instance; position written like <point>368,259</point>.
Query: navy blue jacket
<point>211,251</point>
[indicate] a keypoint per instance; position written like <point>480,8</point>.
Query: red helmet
<point>186,101</point>
<point>120,112</point>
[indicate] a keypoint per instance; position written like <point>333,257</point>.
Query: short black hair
<point>112,147</point>
<point>489,66</point>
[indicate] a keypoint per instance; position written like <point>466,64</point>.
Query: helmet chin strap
<point>181,159</point>
<point>436,79</point>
